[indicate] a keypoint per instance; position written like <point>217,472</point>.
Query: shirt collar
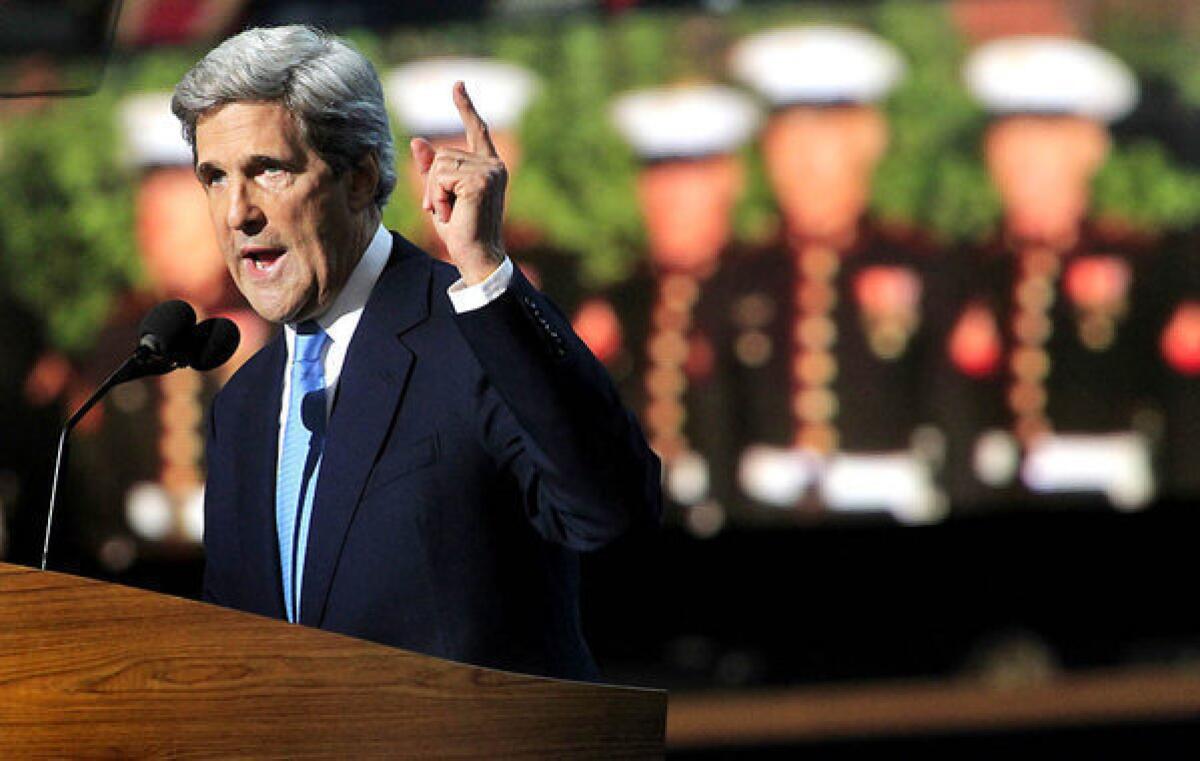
<point>340,320</point>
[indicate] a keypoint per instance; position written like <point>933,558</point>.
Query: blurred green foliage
<point>66,222</point>
<point>1162,42</point>
<point>66,215</point>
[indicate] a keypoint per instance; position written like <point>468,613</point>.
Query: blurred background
<point>905,293</point>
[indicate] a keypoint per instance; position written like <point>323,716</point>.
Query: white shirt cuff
<point>465,297</point>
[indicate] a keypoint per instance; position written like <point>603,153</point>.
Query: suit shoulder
<point>248,375</point>
<point>907,238</point>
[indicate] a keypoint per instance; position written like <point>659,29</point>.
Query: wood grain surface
<point>92,670</point>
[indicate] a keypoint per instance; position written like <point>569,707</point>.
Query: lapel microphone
<point>168,338</point>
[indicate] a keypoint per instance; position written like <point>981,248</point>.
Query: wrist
<point>476,266</point>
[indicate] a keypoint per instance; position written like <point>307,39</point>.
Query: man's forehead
<point>1044,124</point>
<point>246,128</point>
<point>826,117</point>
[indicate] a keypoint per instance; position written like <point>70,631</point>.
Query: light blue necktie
<point>303,442</point>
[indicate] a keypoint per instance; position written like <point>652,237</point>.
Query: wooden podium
<point>94,670</point>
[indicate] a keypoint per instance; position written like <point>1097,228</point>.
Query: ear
<point>995,143</point>
<point>737,175</point>
<point>728,174</point>
<point>1094,143</point>
<point>363,182</point>
<point>774,134</point>
<point>872,130</point>
<point>646,181</point>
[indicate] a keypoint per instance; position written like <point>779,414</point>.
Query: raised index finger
<point>479,141</point>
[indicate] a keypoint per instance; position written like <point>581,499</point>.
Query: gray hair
<point>330,89</point>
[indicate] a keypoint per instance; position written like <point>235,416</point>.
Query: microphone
<point>164,339</point>
<point>212,343</point>
<point>167,328</point>
<point>168,339</point>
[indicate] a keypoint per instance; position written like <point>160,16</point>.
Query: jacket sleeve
<point>552,417</point>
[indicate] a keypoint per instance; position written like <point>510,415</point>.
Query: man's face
<point>288,228</point>
<point>1043,167</point>
<point>820,161</point>
<point>687,207</point>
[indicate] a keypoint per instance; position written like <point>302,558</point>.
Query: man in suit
<point>824,332</point>
<point>1065,410</point>
<point>687,137</point>
<point>420,456</point>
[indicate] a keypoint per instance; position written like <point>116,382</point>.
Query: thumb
<point>422,153</point>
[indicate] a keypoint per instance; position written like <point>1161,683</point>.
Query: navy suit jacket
<point>468,458</point>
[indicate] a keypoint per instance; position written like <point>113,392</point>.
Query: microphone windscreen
<point>213,342</point>
<point>167,328</point>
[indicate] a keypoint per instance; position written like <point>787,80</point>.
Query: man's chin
<point>273,311</point>
<point>1056,231</point>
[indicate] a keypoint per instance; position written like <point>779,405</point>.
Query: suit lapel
<point>369,391</point>
<point>257,452</point>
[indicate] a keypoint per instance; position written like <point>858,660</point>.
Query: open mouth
<point>262,259</point>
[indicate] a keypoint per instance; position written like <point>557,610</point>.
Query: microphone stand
<point>141,363</point>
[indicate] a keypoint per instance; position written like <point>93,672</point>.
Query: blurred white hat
<point>685,121</point>
<point>817,64</point>
<point>152,134</point>
<point>419,93</point>
<point>1030,74</point>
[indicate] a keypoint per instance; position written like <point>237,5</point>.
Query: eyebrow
<point>263,159</point>
<point>257,159</point>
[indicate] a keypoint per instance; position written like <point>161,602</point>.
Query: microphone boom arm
<point>141,363</point>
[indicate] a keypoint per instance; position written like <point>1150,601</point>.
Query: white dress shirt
<point>341,319</point>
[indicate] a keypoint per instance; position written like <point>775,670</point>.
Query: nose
<point>243,214</point>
